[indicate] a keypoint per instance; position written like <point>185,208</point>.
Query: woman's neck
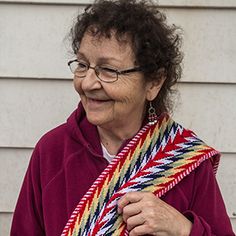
<point>113,138</point>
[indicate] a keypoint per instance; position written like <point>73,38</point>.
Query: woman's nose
<point>91,81</point>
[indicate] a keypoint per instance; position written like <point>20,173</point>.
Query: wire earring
<point>152,116</point>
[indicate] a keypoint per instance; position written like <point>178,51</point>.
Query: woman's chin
<point>96,120</point>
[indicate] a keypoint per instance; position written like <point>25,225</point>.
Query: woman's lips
<point>97,102</point>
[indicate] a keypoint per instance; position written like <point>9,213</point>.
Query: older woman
<point>120,165</point>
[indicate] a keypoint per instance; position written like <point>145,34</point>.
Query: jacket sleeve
<point>28,216</point>
<point>207,210</point>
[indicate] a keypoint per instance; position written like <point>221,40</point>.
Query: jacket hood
<point>82,131</point>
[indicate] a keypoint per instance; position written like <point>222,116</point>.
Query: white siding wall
<point>36,91</point>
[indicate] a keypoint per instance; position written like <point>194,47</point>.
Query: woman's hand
<point>145,214</point>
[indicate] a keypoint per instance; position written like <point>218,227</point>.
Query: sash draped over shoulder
<point>157,158</point>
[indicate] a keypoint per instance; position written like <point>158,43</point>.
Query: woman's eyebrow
<point>101,59</point>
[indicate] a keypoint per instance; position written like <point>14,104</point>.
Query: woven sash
<point>155,160</point>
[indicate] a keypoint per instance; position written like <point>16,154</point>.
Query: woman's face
<point>117,104</point>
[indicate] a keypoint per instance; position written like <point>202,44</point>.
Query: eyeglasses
<point>104,73</point>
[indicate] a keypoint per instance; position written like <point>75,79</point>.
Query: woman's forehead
<point>108,46</point>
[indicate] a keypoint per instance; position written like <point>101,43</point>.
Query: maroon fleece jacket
<point>68,159</point>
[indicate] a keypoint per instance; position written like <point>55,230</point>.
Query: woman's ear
<point>154,87</point>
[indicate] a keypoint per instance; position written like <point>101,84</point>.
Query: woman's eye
<point>108,70</point>
<point>108,73</point>
<point>82,65</point>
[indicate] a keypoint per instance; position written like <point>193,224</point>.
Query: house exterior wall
<point>36,91</point>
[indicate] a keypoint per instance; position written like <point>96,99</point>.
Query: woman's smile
<point>94,103</point>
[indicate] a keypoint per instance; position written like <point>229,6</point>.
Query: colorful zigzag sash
<point>155,160</point>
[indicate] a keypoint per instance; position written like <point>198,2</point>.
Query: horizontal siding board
<point>208,110</point>
<point>209,44</point>
<point>227,181</point>
<point>34,42</point>
<point>13,164</point>
<point>5,223</point>
<point>174,3</point>
<point>32,107</point>
<point>198,3</point>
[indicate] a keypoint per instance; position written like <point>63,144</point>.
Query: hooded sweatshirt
<point>68,159</point>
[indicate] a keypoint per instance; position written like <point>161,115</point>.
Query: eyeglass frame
<point>96,69</point>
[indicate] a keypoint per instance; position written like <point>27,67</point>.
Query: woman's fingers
<point>144,214</point>
<point>131,210</point>
<point>128,198</point>
<point>135,221</point>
